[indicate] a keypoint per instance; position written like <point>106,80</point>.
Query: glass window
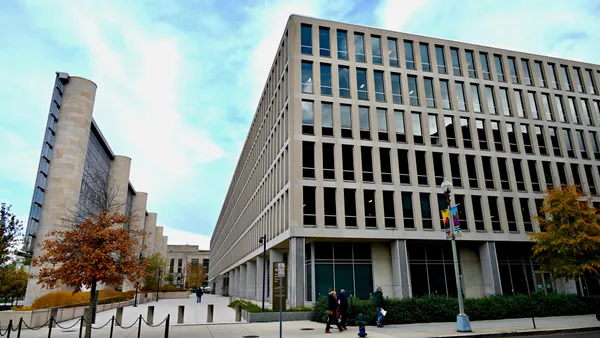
<point>488,175</point>
<point>554,139</point>
<point>455,170</point>
<point>344,80</point>
<point>594,142</point>
<point>445,90</point>
<point>494,213</point>
<point>481,134</point>
<point>596,106</point>
<point>407,210</point>
<point>547,107</point>
<point>327,118</point>
<point>379,86</point>
<point>548,174</point>
<point>434,135</point>
<point>425,64</point>
<point>513,70</point>
<point>470,64</point>
<point>426,211</point>
<point>574,113</point>
<point>326,79</point>
<point>388,209</point>
<point>306,39</point>
<point>408,53</point>
<point>382,125</point>
<point>455,62</point>
<point>590,80</point>
<point>541,140</point>
<point>308,117</point>
<point>489,94</point>
<point>510,214</point>
<point>370,216</point>
<point>539,72</point>
<point>497,135</point>
<point>525,64</point>
<point>308,159</point>
<point>526,139</point>
<point>560,108</point>
<point>512,137</point>
<point>587,119</point>
<point>363,118</point>
<point>307,74</point>
<point>533,105</point>
<point>376,50</point>
<point>342,45</point>
<point>466,132</point>
<point>519,102</point>
<point>441,60</point>
<point>450,132</point>
<point>499,68</point>
<point>582,147</point>
<point>472,172</point>
<point>361,83</point>
<point>483,58</point>
<point>417,130</point>
<point>429,96</point>
<point>346,120</point>
<point>393,52</point>
<point>525,214</point>
<point>565,77</point>
<point>329,207</point>
<point>359,47</point>
<point>421,168</point>
<point>475,98</point>
<point>460,96</point>
<point>413,92</point>
<point>569,143</point>
<point>324,44</point>
<point>400,130</point>
<point>367,164</point>
<point>309,209</point>
<point>505,102</point>
<point>535,182</point>
<point>396,88</point>
<point>578,81</point>
<point>552,72</point>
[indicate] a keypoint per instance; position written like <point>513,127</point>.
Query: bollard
<point>209,314</point>
<point>150,317</point>
<point>238,313</point>
<point>119,318</point>
<point>87,314</point>
<point>167,325</point>
<point>53,314</point>
<point>180,314</point>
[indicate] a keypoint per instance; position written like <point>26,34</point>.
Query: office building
<point>180,258</point>
<point>353,135</point>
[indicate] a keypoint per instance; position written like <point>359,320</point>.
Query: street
<point>594,334</point>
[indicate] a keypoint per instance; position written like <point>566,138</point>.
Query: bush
<point>69,299</point>
<point>441,309</point>
<point>166,288</point>
<point>251,307</point>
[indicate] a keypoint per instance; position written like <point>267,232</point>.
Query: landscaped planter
<point>266,317</point>
<point>173,295</point>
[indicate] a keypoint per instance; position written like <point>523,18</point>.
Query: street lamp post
<point>263,240</point>
<point>462,320</point>
<point>138,283</point>
<point>158,283</point>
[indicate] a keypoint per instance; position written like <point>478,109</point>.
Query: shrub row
<point>69,299</point>
<point>164,288</point>
<point>251,307</point>
<point>442,309</point>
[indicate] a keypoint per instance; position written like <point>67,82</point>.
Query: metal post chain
<point>67,328</point>
<point>167,326</point>
<point>140,327</point>
<point>50,327</point>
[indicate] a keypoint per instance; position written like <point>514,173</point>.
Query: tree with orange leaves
<point>569,244</point>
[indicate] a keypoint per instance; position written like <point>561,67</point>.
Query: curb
<point>524,333</point>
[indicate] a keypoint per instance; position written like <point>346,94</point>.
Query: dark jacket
<point>378,299</point>
<point>343,302</point>
<point>199,292</point>
<point>331,303</point>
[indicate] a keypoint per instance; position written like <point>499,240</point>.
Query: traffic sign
<point>281,270</point>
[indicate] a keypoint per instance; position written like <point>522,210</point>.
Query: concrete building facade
<point>76,163</point>
<point>178,259</point>
<point>353,135</point>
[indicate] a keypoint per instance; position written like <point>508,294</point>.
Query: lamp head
<point>260,240</point>
<point>446,186</point>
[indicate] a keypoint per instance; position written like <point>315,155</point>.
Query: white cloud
<point>393,14</point>
<point>182,237</point>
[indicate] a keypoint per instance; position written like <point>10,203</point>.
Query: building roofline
<point>102,139</point>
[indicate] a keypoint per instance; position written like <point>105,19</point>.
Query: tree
<point>569,244</point>
<point>13,282</point>
<point>10,233</point>
<point>195,274</point>
<point>154,264</point>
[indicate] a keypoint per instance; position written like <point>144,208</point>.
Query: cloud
<point>393,14</point>
<point>183,237</point>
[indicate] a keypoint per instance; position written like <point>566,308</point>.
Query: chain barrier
<point>36,328</point>
<point>132,325</point>
<point>67,328</point>
<point>8,329</point>
<point>157,325</point>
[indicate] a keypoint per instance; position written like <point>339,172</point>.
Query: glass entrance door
<point>543,282</point>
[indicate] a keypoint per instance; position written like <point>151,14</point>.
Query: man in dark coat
<point>331,309</point>
<point>343,303</point>
<point>378,300</point>
<point>199,294</point>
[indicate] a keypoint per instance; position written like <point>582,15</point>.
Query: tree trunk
<point>92,311</point>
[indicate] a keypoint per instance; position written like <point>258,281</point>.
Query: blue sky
<point>178,81</point>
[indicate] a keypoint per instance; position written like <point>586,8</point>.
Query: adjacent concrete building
<point>178,258</point>
<point>76,166</point>
<point>353,134</point>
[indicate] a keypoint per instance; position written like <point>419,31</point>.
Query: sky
<point>179,81</point>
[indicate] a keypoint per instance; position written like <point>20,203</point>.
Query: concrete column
<point>158,234</point>
<point>400,271</point>
<point>251,280</point>
<point>472,272</point>
<point>382,267</point>
<point>138,212</point>
<point>163,248</point>
<point>296,277</point>
<point>150,229</point>
<point>65,173</point>
<point>242,279</point>
<point>233,285</point>
<point>489,269</point>
<point>118,181</point>
<point>274,256</point>
<point>259,277</point>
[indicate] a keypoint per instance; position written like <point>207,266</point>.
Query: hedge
<point>70,299</point>
<point>441,309</point>
<point>251,307</point>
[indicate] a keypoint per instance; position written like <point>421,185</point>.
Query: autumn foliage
<point>569,244</point>
<point>195,275</point>
<point>68,299</point>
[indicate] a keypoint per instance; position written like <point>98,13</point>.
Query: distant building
<point>178,258</point>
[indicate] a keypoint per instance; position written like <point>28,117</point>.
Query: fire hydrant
<point>361,321</point>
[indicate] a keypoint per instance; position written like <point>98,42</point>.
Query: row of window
<point>538,103</point>
<point>581,80</point>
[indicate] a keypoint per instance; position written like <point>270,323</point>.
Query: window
<point>503,171</point>
<point>478,213</point>
<point>489,93</point>
<point>512,137</point>
<point>308,118</point>
<point>554,140</point>
<point>481,134</point>
<point>594,142</point>
<point>450,132</point>
<point>589,175</point>
<point>526,139</point>
<point>379,86</point>
<point>574,113</point>
<point>324,45</point>
<point>376,50</point>
<point>359,47</point>
<point>413,92</point>
<point>596,106</point>
<point>327,119</point>
<point>526,214</point>
<point>389,214</point>
<point>409,55</point>
<point>382,124</point>
<point>590,80</point>
<point>400,130</point>
<point>417,130</point>
<point>528,80</point>
<point>547,175</point>
<point>426,210</point>
<point>560,108</point>
<point>326,79</point>
<point>421,168</point>
<point>396,88</point>
<point>344,79</point>
<point>308,159</point>
<point>455,169</point>
<point>364,123</point>
<point>587,119</point>
<point>569,143</point>
<point>470,64</point>
<point>403,166</point>
<point>466,132</point>
<point>361,83</point>
<point>309,207</point>
<point>547,107</point>
<point>348,162</point>
<point>425,64</point>
<point>494,213</point>
<point>329,207</point>
<point>505,102</point>
<point>328,161</point>
<point>562,174</point>
<point>386,165</point>
<point>370,217</point>
<point>429,96</point>
<point>455,62</point>
<point>533,105</point>
<point>393,52</point>
<point>499,68</point>
<point>307,74</point>
<point>438,168</point>
<point>346,120</point>
<point>566,79</point>
<point>306,39</point>
<point>407,210</point>
<point>578,81</point>
<point>342,44</point>
<point>582,147</point>
<point>510,214</point>
<point>441,60</point>
<point>513,70</point>
<point>460,96</point>
<point>541,140</point>
<point>519,103</point>
<point>488,172</point>
<point>497,135</point>
<point>445,90</point>
<point>551,69</point>
<point>350,207</point>
<point>472,172</point>
<point>483,58</point>
<point>434,136</point>
<point>475,98</point>
<point>535,182</point>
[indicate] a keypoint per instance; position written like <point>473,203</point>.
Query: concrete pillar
<point>66,168</point>
<point>158,234</point>
<point>274,256</point>
<point>489,269</point>
<point>296,280</point>
<point>382,267</point>
<point>164,245</point>
<point>138,212</point>
<point>251,280</point>
<point>232,283</point>
<point>118,181</point>
<point>242,283</point>
<point>472,273</point>
<point>259,278</point>
<point>150,229</point>
<point>400,271</point>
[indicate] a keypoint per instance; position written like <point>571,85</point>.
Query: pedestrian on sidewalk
<point>331,310</point>
<point>343,308</point>
<point>378,300</point>
<point>199,294</point>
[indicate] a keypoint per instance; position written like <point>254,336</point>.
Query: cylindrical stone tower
<point>150,228</point>
<point>118,180</point>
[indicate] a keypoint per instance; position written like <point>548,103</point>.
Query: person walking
<point>343,307</point>
<point>378,300</point>
<point>331,309</point>
<point>199,294</point>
